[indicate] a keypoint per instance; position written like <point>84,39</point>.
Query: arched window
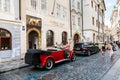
<point>76,38</point>
<point>50,38</point>
<point>5,39</point>
<point>64,37</point>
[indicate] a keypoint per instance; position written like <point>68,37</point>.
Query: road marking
<point>34,75</point>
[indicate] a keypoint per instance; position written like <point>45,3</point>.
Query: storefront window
<point>50,38</point>
<point>64,38</point>
<point>5,39</point>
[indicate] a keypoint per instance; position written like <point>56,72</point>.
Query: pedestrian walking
<point>103,49</point>
<point>111,50</point>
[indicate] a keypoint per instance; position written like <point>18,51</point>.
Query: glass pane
<point>5,43</point>
<point>7,5</point>
<point>50,40</point>
<point>33,3</point>
<point>0,5</point>
<point>43,4</point>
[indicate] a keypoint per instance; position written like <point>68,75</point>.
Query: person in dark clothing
<point>34,46</point>
<point>103,49</point>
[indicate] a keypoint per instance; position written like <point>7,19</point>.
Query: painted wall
<point>51,21</point>
<point>15,52</point>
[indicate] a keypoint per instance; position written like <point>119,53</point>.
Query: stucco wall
<point>14,53</point>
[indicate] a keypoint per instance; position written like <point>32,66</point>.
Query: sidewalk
<point>12,65</point>
<point>113,73</point>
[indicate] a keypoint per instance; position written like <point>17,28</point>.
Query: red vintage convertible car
<point>47,58</point>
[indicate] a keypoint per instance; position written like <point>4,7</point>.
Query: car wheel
<point>73,58</point>
<point>89,53</point>
<point>49,64</point>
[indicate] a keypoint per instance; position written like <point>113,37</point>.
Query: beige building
<point>107,34</point>
<point>115,22</point>
<point>76,21</point>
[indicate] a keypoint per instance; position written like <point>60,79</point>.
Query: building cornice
<point>12,22</point>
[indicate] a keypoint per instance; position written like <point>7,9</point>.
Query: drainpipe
<point>98,24</point>
<point>103,25</point>
<point>70,19</point>
<point>19,9</point>
<point>53,7</point>
<point>82,21</point>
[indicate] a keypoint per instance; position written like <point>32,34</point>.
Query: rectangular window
<point>64,13</point>
<point>73,20</point>
<point>92,4</point>
<point>58,10</point>
<point>78,5</point>
<point>95,8</point>
<point>96,23</point>
<point>0,5</point>
<point>73,3</point>
<point>7,6</point>
<point>78,21</point>
<point>5,43</point>
<point>33,4</point>
<point>93,20</point>
<point>43,4</point>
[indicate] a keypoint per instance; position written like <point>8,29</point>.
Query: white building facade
<point>76,21</point>
<point>48,22</point>
<point>115,22</point>
<point>10,30</point>
<point>93,20</point>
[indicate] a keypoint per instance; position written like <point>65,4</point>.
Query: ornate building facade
<point>115,22</point>
<point>10,30</point>
<point>93,20</point>
<point>47,23</point>
<point>76,21</point>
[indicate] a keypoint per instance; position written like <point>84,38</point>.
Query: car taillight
<point>84,48</point>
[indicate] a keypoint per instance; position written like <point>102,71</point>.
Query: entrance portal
<point>33,40</point>
<point>76,38</point>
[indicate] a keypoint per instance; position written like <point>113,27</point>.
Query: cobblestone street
<point>92,67</point>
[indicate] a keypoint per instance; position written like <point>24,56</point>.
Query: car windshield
<point>78,45</point>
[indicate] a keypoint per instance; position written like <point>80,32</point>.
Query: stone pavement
<point>12,65</point>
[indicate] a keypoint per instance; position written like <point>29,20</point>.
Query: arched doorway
<point>33,40</point>
<point>64,37</point>
<point>76,38</point>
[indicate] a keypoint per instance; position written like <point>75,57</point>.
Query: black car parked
<point>85,48</point>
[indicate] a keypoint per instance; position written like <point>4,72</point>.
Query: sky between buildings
<point>109,7</point>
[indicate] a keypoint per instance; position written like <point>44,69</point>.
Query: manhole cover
<point>49,77</point>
